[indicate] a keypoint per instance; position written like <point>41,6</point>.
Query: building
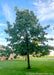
<point>2,58</point>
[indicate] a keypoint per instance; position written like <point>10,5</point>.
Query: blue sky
<point>44,9</point>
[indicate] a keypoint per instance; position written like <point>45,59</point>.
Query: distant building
<point>11,56</point>
<point>2,58</point>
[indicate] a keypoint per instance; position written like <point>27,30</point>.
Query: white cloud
<point>50,42</point>
<point>1,24</point>
<point>1,34</point>
<point>3,42</point>
<point>8,12</point>
<point>1,39</point>
<point>45,10</point>
<point>49,36</point>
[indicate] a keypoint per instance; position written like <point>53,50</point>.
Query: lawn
<point>39,66</point>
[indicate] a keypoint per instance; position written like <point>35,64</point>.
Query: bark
<point>28,60</point>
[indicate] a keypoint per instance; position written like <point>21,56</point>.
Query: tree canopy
<point>25,30</point>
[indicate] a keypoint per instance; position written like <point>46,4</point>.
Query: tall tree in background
<point>24,31</point>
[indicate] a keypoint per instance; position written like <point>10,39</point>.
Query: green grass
<point>39,66</point>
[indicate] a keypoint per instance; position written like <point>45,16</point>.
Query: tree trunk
<point>27,51</point>
<point>28,61</point>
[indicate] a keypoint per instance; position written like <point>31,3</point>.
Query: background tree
<point>6,51</point>
<point>24,31</point>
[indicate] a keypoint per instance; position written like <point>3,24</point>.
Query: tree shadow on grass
<point>32,69</point>
<point>24,69</point>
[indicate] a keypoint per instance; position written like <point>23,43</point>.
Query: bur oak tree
<point>24,31</point>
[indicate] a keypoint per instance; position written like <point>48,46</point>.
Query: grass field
<point>39,66</point>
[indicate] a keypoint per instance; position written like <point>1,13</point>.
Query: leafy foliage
<point>24,31</point>
<point>6,52</point>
